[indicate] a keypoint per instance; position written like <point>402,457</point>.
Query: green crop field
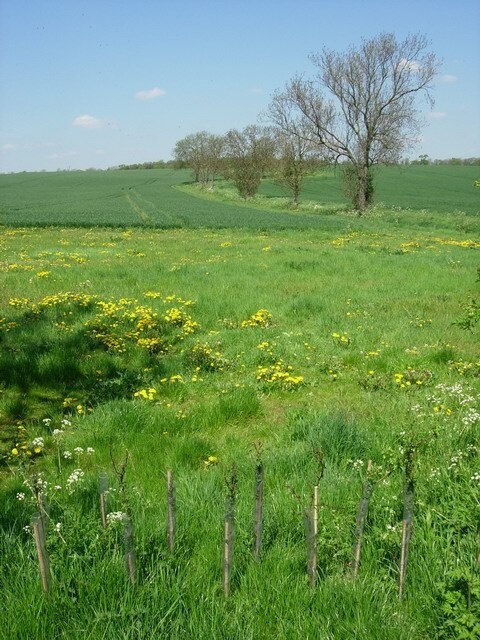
<point>314,341</point>
<point>441,188</point>
<point>151,198</point>
<point>125,198</point>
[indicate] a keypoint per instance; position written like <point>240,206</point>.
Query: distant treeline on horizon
<point>175,164</point>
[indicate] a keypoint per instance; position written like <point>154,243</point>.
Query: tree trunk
<point>295,195</point>
<point>361,201</point>
<point>362,189</point>
<point>365,187</point>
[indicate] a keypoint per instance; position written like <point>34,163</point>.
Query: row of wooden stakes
<point>40,524</point>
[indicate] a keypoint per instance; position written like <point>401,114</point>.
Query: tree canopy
<point>361,107</point>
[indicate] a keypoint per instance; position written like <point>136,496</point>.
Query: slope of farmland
<point>127,198</point>
<point>152,198</point>
<point>441,188</point>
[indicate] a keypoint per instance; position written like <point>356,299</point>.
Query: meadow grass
<point>187,347</point>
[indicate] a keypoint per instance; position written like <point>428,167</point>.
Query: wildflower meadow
<point>342,356</point>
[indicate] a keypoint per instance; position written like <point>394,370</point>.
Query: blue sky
<point>98,83</point>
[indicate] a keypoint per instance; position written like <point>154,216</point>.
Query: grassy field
<point>439,188</point>
<point>412,196</point>
<point>188,348</point>
<point>126,198</point>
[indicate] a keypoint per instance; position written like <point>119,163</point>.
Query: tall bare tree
<point>249,154</point>
<point>190,152</point>
<point>297,155</point>
<point>362,106</point>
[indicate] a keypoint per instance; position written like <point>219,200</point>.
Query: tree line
<point>359,110</point>
<point>246,156</point>
<point>156,164</point>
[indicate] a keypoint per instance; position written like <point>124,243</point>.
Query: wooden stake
<point>258,509</point>
<point>171,517</point>
<point>42,504</point>
<point>310,543</point>
<point>42,553</point>
<point>130,564</point>
<point>407,522</point>
<point>311,521</point>
<point>361,519</point>
<point>103,488</point>
<point>229,528</point>
<point>315,536</point>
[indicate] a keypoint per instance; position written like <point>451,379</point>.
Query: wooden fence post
<point>313,577</point>
<point>103,488</point>
<point>310,545</point>
<point>171,517</point>
<point>258,508</point>
<point>407,522</point>
<point>42,553</point>
<point>311,537</point>
<point>229,530</point>
<point>130,564</point>
<point>361,519</point>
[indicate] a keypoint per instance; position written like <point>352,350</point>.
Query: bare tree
<point>215,155</point>
<point>190,152</point>
<point>297,158</point>
<point>249,154</point>
<point>361,107</point>
<point>297,154</point>
<point>202,153</point>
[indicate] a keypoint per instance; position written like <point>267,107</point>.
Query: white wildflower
<point>74,480</point>
<point>115,516</point>
<point>40,484</point>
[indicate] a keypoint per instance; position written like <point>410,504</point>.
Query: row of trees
<point>360,109</point>
<point>247,156</point>
<point>425,160</point>
<point>156,164</point>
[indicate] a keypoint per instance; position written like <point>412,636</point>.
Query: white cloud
<point>149,94</point>
<point>449,78</point>
<point>8,147</point>
<point>57,156</point>
<point>437,115</point>
<point>88,122</point>
<point>411,65</point>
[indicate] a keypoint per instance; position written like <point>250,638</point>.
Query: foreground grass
<point>355,314</point>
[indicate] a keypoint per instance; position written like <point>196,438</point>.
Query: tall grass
<point>355,314</point>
